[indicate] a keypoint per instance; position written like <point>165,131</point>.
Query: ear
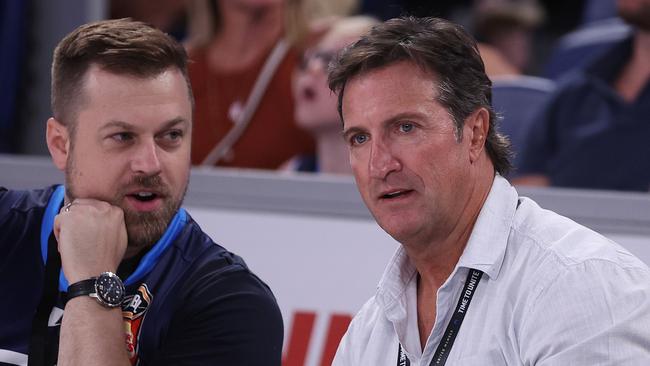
<point>478,124</point>
<point>58,142</point>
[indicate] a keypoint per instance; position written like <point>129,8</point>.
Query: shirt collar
<point>487,244</point>
<point>399,272</point>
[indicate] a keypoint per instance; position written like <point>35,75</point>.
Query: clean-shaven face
<point>411,170</point>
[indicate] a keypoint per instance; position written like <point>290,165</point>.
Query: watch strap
<point>81,288</point>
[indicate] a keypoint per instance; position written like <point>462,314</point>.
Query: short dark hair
<point>440,48</point>
<point>120,46</point>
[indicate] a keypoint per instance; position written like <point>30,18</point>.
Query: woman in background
<point>316,110</point>
<point>243,58</point>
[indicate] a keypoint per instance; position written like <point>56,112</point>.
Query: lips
<point>393,194</point>
<point>144,196</point>
<point>309,93</point>
<point>145,199</point>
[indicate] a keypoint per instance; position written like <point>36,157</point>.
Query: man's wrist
<point>107,289</point>
<point>80,275</point>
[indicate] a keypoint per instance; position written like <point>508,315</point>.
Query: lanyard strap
<point>146,263</point>
<point>39,343</point>
<point>447,341</point>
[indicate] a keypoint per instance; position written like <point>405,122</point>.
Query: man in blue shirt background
<point>594,131</point>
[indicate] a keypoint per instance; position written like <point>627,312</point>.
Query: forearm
<point>91,334</point>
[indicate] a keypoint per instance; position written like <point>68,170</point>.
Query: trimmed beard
<point>143,229</point>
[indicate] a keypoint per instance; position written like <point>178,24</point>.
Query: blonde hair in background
<point>352,26</point>
<point>299,15</point>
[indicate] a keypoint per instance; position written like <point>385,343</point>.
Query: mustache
<point>152,182</point>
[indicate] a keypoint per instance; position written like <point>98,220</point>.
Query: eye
<point>406,127</point>
<point>174,135</point>
<point>122,136</point>
<point>358,139</point>
<point>171,138</point>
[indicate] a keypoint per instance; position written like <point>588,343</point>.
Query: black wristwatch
<point>108,289</point>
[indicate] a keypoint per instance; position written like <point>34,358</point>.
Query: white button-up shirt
<point>553,293</point>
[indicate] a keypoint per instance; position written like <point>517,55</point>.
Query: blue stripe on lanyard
<point>146,263</point>
<point>447,341</point>
<point>52,209</point>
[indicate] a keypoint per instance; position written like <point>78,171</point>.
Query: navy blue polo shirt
<point>588,136</point>
<point>189,301</point>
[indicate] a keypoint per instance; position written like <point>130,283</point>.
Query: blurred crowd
<point>571,80</point>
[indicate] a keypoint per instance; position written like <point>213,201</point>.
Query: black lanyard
<point>39,342</point>
<point>447,341</point>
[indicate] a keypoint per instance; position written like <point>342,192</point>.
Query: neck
<point>332,153</point>
<point>435,259</point>
<point>636,72</point>
<point>642,45</point>
<point>641,53</point>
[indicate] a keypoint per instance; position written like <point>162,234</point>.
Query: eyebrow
<point>129,127</point>
<point>351,131</point>
<point>398,117</point>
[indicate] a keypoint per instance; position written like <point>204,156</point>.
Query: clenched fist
<point>92,238</point>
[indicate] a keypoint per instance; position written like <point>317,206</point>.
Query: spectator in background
<point>508,26</point>
<point>315,109</point>
<point>244,54</point>
<point>594,132</point>
<point>241,79</point>
<point>169,16</point>
<point>496,65</point>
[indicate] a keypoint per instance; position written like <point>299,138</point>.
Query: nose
<point>383,160</point>
<point>314,62</point>
<point>146,160</point>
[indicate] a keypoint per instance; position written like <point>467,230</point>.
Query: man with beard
<point>121,127</point>
<point>594,132</point>
<point>482,275</point>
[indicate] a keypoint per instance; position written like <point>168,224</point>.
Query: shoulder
<point>545,231</point>
<point>226,314</point>
<point>206,256</point>
<point>578,290</point>
<point>24,199</point>
<point>22,202</point>
<point>21,216</point>
<point>559,257</point>
<point>217,275</point>
<point>368,326</point>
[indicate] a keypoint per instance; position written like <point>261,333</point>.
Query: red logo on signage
<point>295,353</point>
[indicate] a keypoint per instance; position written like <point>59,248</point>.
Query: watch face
<point>109,289</point>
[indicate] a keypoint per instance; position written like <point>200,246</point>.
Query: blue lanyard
<point>447,341</point>
<point>147,262</point>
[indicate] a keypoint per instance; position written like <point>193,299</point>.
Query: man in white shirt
<point>483,276</point>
